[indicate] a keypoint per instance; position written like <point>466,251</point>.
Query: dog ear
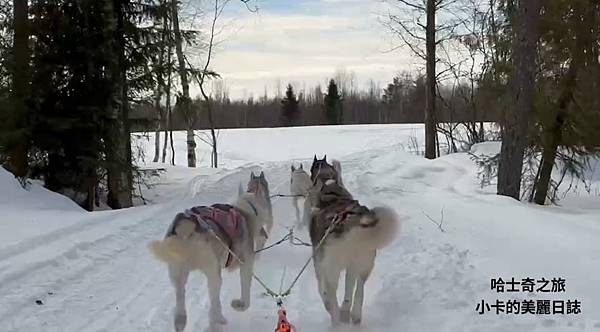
<point>294,168</point>
<point>325,158</point>
<point>252,176</point>
<point>315,159</point>
<point>262,175</point>
<point>301,167</point>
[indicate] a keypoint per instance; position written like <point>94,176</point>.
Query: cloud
<point>305,43</point>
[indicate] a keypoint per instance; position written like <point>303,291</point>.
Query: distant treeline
<point>402,101</point>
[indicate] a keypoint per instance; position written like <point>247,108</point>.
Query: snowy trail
<point>92,271</point>
<point>101,277</point>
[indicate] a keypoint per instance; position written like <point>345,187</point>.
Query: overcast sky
<point>304,42</point>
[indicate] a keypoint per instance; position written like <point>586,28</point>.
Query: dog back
<point>334,203</point>
<point>222,219</point>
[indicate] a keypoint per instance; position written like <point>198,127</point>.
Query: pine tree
<point>17,140</point>
<point>289,106</point>
<point>89,63</point>
<point>333,103</point>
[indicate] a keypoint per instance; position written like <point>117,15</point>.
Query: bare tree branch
<point>412,5</point>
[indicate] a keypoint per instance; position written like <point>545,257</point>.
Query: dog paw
<point>345,316</point>
<point>335,322</point>
<point>356,320</point>
<point>239,305</point>
<point>218,318</point>
<point>222,320</point>
<point>214,328</point>
<point>180,321</point>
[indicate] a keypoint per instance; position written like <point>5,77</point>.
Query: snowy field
<point>64,269</point>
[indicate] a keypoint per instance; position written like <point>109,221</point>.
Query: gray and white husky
<point>190,244</point>
<point>323,171</point>
<point>300,184</point>
<point>355,234</point>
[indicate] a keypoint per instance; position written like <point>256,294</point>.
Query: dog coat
<point>223,219</point>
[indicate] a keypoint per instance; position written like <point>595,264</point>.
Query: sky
<point>304,42</point>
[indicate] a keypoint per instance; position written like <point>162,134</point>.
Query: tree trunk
<point>430,130</point>
<point>18,147</point>
<point>191,147</point>
<point>157,132</point>
<point>514,131</point>
<point>215,156</point>
<point>171,140</point>
<point>157,96</point>
<point>166,118</point>
<point>185,101</point>
<point>156,144</point>
<point>552,138</point>
<point>166,139</point>
<point>90,180</point>
<point>481,132</point>
<point>117,136</point>
<point>170,110</point>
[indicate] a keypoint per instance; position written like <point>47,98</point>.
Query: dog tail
<point>173,248</point>
<point>380,228</point>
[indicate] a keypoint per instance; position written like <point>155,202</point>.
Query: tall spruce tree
<point>89,63</point>
<point>289,106</point>
<point>333,103</point>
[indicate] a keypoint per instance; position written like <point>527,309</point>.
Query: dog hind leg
<point>366,264</point>
<point>349,285</point>
<point>320,282</point>
<point>331,278</point>
<point>356,314</point>
<point>246,281</point>
<point>179,277</point>
<point>214,281</point>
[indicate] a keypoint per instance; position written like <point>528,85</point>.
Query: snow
<point>92,271</point>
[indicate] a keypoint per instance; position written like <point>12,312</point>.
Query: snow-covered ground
<point>63,269</point>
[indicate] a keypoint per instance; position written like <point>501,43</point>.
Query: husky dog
<point>355,234</point>
<point>198,239</point>
<point>300,184</point>
<point>320,169</point>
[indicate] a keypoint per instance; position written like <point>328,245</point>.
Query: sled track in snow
<point>57,235</point>
<point>101,261</point>
<point>81,261</point>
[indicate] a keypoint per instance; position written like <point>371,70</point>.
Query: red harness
<point>220,217</point>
